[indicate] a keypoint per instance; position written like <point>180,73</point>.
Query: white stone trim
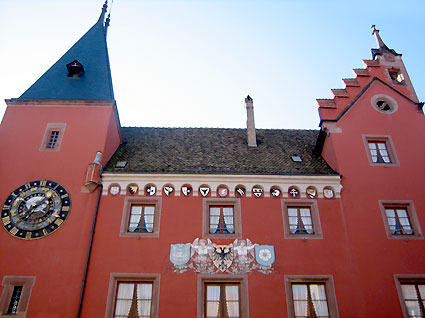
<point>231,181</point>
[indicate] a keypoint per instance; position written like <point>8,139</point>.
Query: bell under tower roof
<point>82,73</point>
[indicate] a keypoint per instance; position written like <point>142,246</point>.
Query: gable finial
<point>379,41</point>
<point>102,14</point>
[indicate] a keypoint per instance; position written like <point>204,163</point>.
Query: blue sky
<point>190,63</point>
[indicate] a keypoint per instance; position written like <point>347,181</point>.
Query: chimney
<point>252,138</point>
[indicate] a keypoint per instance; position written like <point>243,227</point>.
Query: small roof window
<point>120,164</point>
<point>75,69</point>
<point>296,158</point>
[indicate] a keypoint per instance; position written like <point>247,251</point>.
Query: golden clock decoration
<point>35,209</point>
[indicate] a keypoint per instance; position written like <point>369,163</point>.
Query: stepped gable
<point>329,109</point>
<point>217,151</point>
<point>384,60</point>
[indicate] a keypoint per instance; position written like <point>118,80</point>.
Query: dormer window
<point>296,158</point>
<point>75,69</point>
<point>396,76</point>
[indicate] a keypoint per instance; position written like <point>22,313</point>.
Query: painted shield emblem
<point>132,189</point>
<point>204,191</point>
<point>223,192</point>
<point>311,192</point>
<point>168,190</point>
<point>186,190</point>
<point>114,190</point>
<point>150,190</point>
<point>240,191</point>
<point>222,256</point>
<point>328,193</point>
<point>258,192</point>
<point>264,254</point>
<point>275,192</point>
<point>180,254</point>
<point>293,192</point>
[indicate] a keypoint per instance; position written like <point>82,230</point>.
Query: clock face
<point>36,209</point>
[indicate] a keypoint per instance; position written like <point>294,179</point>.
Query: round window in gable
<point>384,104</point>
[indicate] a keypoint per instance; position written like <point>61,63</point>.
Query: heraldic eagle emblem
<point>222,256</point>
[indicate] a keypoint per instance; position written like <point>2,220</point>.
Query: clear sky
<point>191,63</point>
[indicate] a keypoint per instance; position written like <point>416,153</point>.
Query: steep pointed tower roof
<point>82,73</point>
<point>381,45</point>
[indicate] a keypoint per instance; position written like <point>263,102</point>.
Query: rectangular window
<point>15,297</point>
<point>53,137</point>
<point>380,150</point>
<point>400,219</point>
<point>301,219</point>
<point>133,296</point>
<point>310,300</point>
<point>134,299</point>
<point>141,216</point>
<point>221,219</point>
<point>222,295</point>
<point>310,296</point>
<point>222,300</point>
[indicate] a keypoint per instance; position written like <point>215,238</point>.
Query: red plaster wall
<point>376,258</point>
<point>57,260</point>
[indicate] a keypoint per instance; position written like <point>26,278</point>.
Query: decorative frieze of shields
<point>204,256</point>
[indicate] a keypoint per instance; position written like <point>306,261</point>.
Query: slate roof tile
<point>217,151</point>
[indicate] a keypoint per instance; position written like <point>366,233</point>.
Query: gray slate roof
<point>96,83</point>
<point>217,151</point>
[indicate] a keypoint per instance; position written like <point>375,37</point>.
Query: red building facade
<point>101,220</point>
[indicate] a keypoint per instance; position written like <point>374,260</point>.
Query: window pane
<point>144,291</point>
<point>228,211</point>
<point>214,211</point>
<point>149,210</point>
<point>144,308</point>
<point>292,212</point>
<point>299,291</point>
<point>402,213</point>
<point>372,146</point>
<point>409,291</point>
<point>321,308</point>
<point>317,292</point>
<point>293,220</point>
<point>413,308</point>
<point>136,209</point>
<point>300,307</point>
<point>213,292</point>
<point>122,308</point>
<point>212,309</point>
<point>125,291</point>
<point>305,212</point>
<point>390,213</point>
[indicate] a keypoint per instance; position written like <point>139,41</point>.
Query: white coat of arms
<point>180,254</point>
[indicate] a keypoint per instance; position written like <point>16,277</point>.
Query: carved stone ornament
<point>203,256</point>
